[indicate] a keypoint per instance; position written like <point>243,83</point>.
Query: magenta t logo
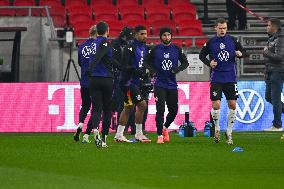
<point>53,109</point>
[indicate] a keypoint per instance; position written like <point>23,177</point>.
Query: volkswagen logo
<point>250,106</point>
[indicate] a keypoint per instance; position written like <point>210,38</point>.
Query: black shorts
<point>230,91</point>
<point>132,95</point>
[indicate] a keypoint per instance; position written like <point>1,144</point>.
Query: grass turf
<point>42,160</point>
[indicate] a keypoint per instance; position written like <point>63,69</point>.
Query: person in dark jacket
<point>118,44</point>
<point>130,82</point>
<point>84,51</point>
<point>234,11</point>
<point>222,50</point>
<point>163,61</point>
<point>273,52</point>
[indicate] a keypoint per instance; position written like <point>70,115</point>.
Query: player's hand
<point>265,48</point>
<point>213,63</point>
<point>239,54</point>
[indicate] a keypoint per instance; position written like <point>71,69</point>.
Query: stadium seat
<point>6,12</point>
<point>121,3</point>
<point>101,2</point>
<point>79,17</point>
<point>58,15</point>
<point>133,23</point>
<point>178,2</point>
<point>81,29</point>
<point>178,42</point>
<point>152,2</point>
<point>79,13</point>
<point>157,12</point>
<point>188,24</point>
<point>25,11</point>
<point>69,3</point>
<point>115,27</point>
<point>106,13</point>
<point>131,12</point>
<point>52,4</point>
<point>183,11</point>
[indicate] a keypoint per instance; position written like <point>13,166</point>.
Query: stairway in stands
<point>264,8</point>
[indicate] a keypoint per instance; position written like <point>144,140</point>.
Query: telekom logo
<point>53,109</point>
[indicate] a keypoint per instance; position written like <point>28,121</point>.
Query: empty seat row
<point>92,2</point>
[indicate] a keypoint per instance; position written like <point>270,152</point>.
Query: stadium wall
<point>54,107</point>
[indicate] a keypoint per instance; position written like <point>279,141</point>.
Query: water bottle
<point>207,129</point>
<point>191,130</point>
<point>181,132</point>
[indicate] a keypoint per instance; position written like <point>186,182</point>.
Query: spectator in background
<point>235,11</point>
<point>273,52</point>
<point>84,51</point>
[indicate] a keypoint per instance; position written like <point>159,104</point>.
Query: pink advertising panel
<point>54,107</point>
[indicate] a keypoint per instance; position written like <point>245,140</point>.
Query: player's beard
<point>166,42</point>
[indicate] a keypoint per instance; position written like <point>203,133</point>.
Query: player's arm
<point>240,52</point>
<point>101,52</point>
<point>116,51</point>
<point>205,51</point>
<point>276,56</point>
<point>148,62</point>
<point>183,62</point>
<point>79,58</point>
<point>126,58</point>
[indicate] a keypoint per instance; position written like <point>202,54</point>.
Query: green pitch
<point>40,161</point>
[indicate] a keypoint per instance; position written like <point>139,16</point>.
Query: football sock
<point>231,121</point>
<point>80,125</point>
<point>138,128</point>
<point>216,118</point>
<point>120,130</point>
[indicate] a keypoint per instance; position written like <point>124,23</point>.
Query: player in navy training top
<point>100,73</point>
<point>222,50</point>
<point>162,61</point>
<point>84,52</point>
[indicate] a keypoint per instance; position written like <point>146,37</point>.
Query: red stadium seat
<point>106,13</point>
<point>121,3</point>
<point>115,27</point>
<point>79,14</point>
<point>101,2</point>
<point>183,11</point>
<point>4,2</point>
<point>81,29</point>
<point>25,11</point>
<point>6,12</point>
<point>157,12</point>
<point>133,23</point>
<point>69,3</point>
<point>58,15</point>
<point>131,12</point>
<point>52,4</point>
<point>178,42</point>
<point>178,2</point>
<point>193,25</point>
<point>152,2</point>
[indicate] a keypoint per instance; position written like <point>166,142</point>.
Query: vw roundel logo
<point>250,106</point>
